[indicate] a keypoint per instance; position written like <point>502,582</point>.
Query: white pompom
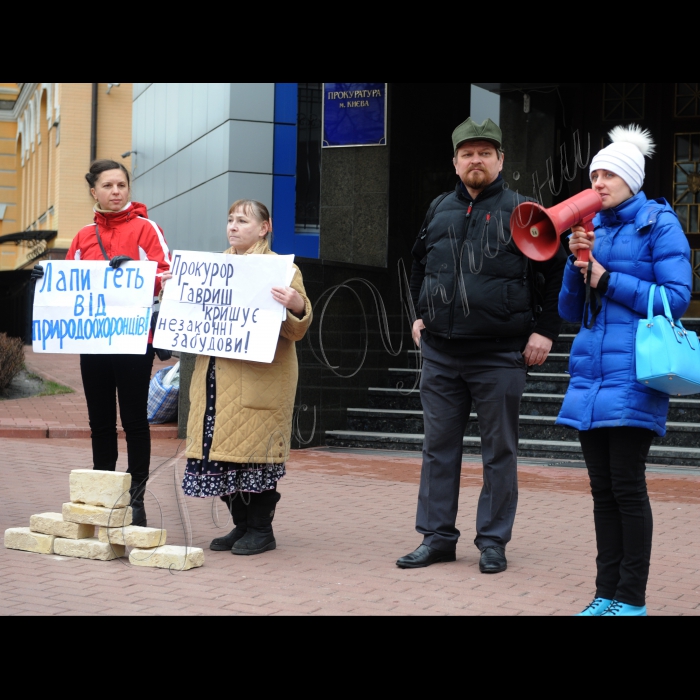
<point>634,134</point>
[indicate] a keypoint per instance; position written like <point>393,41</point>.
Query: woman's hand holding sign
<point>290,299</point>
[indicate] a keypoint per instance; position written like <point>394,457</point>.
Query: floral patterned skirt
<point>206,479</point>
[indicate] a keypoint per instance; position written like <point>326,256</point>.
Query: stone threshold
<point>158,432</point>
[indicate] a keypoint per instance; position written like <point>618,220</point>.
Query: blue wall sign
<point>354,114</point>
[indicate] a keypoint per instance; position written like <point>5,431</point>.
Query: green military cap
<point>471,131</point>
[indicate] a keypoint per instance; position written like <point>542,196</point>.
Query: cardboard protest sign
<point>222,305</point>
<point>90,308</point>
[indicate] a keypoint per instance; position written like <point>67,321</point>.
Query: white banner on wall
<point>88,307</point>
<point>222,305</point>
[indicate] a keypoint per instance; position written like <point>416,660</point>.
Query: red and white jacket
<point>127,232</point>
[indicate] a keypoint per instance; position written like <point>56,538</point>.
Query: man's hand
<point>119,260</point>
<point>537,350</point>
<point>37,273</point>
<point>418,326</point>
<point>597,271</point>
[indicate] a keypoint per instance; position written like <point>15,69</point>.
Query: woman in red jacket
<point>121,231</point>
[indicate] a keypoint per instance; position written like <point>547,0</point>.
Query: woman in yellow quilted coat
<point>240,421</point>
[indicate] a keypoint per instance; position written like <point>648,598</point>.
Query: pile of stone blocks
<point>100,499</point>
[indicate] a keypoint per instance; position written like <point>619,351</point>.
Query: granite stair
<point>393,416</point>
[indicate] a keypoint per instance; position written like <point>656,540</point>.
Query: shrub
<point>11,359</point>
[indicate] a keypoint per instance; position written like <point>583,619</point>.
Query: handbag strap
<point>650,305</point>
<point>99,240</point>
<point>667,307</point>
<point>675,323</point>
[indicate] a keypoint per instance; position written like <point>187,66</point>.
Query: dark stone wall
<point>347,331</point>
<point>343,328</point>
<point>529,140</point>
<point>354,205</point>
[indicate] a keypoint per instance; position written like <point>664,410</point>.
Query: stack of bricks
<point>100,499</point>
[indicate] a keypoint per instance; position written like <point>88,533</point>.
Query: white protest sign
<point>222,305</point>
<point>90,308</point>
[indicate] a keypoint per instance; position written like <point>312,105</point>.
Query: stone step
<point>553,359</point>
<point>540,449</point>
<point>683,410</point>
<point>531,427</point>
<point>537,381</point>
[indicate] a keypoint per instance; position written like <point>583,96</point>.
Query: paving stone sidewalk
<point>342,522</point>
<point>43,413</point>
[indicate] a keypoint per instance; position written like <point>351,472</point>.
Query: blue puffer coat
<point>639,243</point>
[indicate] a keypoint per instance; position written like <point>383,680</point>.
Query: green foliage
<point>54,388</point>
<point>11,359</point>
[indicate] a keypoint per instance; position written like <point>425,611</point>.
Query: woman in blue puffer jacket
<point>637,243</point>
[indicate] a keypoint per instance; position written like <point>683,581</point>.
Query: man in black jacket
<point>480,325</point>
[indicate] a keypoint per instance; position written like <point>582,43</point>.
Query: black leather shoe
<point>424,556</point>
<point>493,560</point>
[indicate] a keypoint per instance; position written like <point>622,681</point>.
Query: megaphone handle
<point>587,223</point>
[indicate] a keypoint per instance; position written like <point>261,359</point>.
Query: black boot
<point>138,515</point>
<point>239,513</point>
<point>259,538</point>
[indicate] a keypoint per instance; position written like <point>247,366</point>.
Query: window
<point>686,191</point>
<point>623,102</point>
<point>687,99</point>
<point>308,194</point>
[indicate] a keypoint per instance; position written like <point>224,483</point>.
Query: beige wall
<point>48,190</point>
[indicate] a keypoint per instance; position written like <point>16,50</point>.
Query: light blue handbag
<point>668,356</point>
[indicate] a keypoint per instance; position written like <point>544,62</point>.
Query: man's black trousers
<point>106,377</point>
<point>616,461</point>
<point>494,384</point>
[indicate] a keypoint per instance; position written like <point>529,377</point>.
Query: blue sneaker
<point>618,609</point>
<point>596,608</point>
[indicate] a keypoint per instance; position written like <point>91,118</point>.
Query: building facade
<point>351,215</point>
<point>49,134</point>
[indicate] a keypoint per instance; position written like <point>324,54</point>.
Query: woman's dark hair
<point>100,166</point>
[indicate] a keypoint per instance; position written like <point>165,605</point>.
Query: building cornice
<point>12,115</point>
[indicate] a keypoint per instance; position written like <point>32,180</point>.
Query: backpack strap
<point>431,214</point>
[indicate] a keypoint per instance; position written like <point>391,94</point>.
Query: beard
<point>476,179</point>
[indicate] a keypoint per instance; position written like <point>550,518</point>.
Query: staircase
<point>393,418</point>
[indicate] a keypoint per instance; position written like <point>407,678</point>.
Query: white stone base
<point>100,488</point>
<point>54,524</point>
<point>133,536</point>
<point>168,557</point>
<point>96,515</point>
<point>88,549</point>
<point>24,539</point>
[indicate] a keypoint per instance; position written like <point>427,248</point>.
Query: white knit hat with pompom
<point>625,155</point>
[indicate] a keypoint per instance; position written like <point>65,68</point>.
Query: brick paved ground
<point>343,521</point>
<point>66,411</point>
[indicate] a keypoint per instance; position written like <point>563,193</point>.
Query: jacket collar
<point>624,213</point>
<point>108,219</point>
<point>492,189</point>
<point>260,248</point>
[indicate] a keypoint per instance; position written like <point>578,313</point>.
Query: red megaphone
<point>536,230</point>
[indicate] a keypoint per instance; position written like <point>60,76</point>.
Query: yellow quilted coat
<point>254,401</point>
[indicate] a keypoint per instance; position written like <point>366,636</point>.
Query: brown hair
<point>97,167</point>
<point>254,209</point>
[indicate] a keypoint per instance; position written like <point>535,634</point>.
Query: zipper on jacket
<point>458,272</point>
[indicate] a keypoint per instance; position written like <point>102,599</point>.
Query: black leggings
<point>127,376</point>
<point>616,461</point>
